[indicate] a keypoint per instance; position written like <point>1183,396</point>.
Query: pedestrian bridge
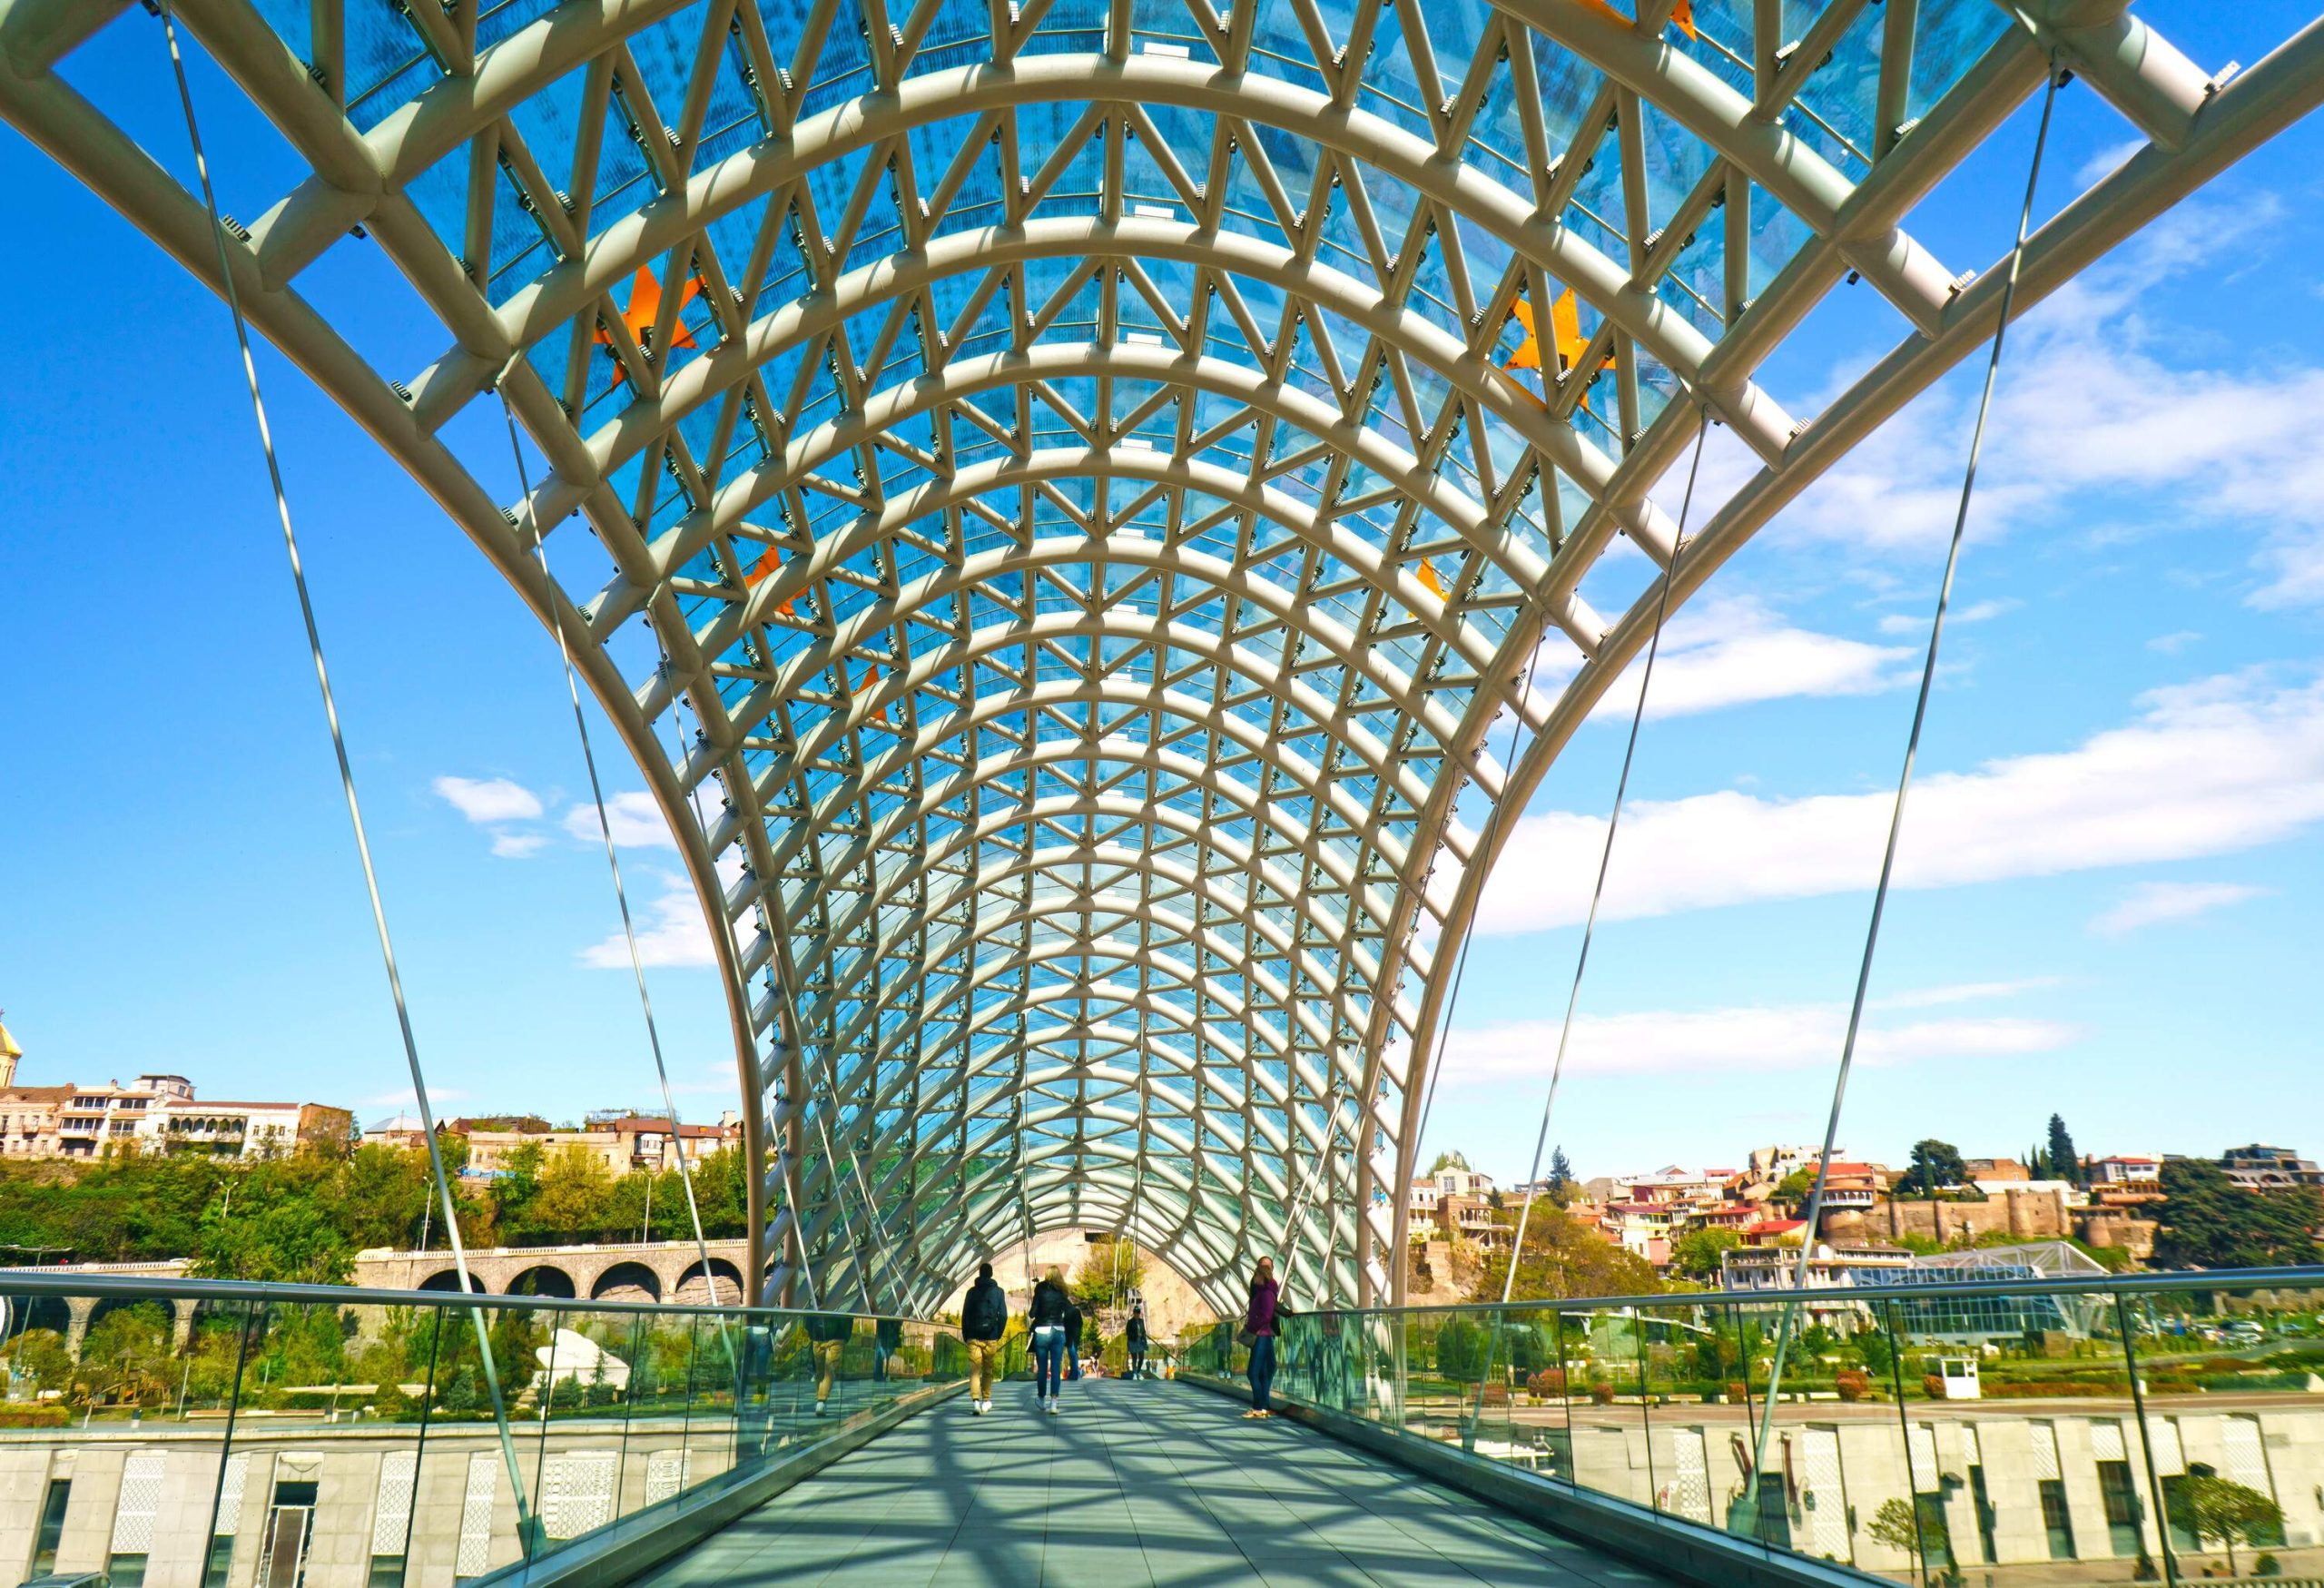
<point>2156,1428</point>
<point>1133,1484</point>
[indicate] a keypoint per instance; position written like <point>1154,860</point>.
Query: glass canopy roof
<point>1073,483</point>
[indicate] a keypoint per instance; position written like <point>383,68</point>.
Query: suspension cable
<point>1904,777</point>
<point>346,772</point>
<point>1597,897</point>
<point>1605,850</point>
<point>553,596</point>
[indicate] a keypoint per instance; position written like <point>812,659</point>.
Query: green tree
<point>1696,1253</point>
<point>277,1234</point>
<point>2062,1161</point>
<point>2211,1223</point>
<point>125,1359</point>
<point>1897,1525</point>
<point>1794,1189</point>
<point>2210,1507</point>
<point>1934,1166</point>
<point>41,1354</point>
<point>573,1198</point>
<point>1562,1257</point>
<point>1110,1268</point>
<point>1561,1182</point>
<point>1450,1159</point>
<point>1461,1347</point>
<point>516,1186</point>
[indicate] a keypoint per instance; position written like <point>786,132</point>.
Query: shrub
<point>1853,1383</point>
<point>1933,1386</point>
<point>1737,1391</point>
<point>2267,1565</point>
<point>1495,1393</point>
<point>34,1416</point>
<point>1601,1394</point>
<point>1547,1381</point>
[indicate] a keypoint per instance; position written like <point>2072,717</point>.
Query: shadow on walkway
<point>1132,1484</point>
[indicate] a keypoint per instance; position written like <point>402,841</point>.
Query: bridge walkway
<point>1132,1484</point>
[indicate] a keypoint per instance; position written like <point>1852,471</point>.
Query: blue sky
<point>2111,864</point>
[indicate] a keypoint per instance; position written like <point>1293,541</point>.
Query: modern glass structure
<point>1056,496</point>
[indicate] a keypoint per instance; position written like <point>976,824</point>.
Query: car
<point>2243,1332</point>
<point>69,1580</point>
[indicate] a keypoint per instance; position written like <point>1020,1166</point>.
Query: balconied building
<point>158,1113</point>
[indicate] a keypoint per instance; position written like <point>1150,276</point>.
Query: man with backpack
<point>984,1319</point>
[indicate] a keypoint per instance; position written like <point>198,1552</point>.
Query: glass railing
<point>2160,1428</point>
<point>222,1435</point>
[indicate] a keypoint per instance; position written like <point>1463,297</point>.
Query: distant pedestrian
<point>1047,1315</point>
<point>1074,1324</point>
<point>984,1319</point>
<point>1134,1338</point>
<point>1260,1317</point>
<point>829,1331</point>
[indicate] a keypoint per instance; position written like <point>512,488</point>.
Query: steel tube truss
<point>1072,484</point>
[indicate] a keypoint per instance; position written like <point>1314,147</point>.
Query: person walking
<point>984,1319</point>
<point>829,1331</point>
<point>1074,1326</point>
<point>1047,1313</point>
<point>1134,1338</point>
<point>1260,1317</point>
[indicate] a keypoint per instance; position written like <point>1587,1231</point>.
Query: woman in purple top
<point>1259,1323</point>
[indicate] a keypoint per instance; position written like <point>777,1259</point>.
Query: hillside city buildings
<point>1868,1211</point>
<point>155,1113</point>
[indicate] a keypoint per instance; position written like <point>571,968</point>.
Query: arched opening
<point>627,1282</point>
<point>693,1289</point>
<point>543,1279</point>
<point>449,1279</point>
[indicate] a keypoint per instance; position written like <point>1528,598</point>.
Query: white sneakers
<point>976,1407</point>
<point>1053,1406</point>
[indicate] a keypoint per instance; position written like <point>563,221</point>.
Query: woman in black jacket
<point>1048,1314</point>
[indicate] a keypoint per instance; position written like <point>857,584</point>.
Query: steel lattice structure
<point>1082,475</point>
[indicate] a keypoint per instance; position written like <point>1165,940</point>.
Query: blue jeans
<point>1262,1371</point>
<point>1049,1359</point>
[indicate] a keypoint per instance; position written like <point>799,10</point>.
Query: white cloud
<point>671,932</point>
<point>489,799</point>
<point>1735,651</point>
<point>1752,1038</point>
<point>2151,904</point>
<point>2209,768</point>
<point>635,820</point>
<point>2102,162</point>
<point>518,845</point>
<point>1916,623</point>
<point>2097,412</point>
<point>1961,993</point>
<point>2170,645</point>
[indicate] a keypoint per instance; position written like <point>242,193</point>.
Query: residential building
<point>158,1113</point>
<point>2069,1195</point>
<point>622,1142</point>
<point>1982,1170</point>
<point>2258,1168</point>
<point>2126,1180</point>
<point>1424,1195</point>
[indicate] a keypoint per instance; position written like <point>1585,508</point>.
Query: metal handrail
<point>2176,1280</point>
<point>131,1286</point>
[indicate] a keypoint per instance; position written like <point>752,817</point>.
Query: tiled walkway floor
<point>1133,1484</point>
